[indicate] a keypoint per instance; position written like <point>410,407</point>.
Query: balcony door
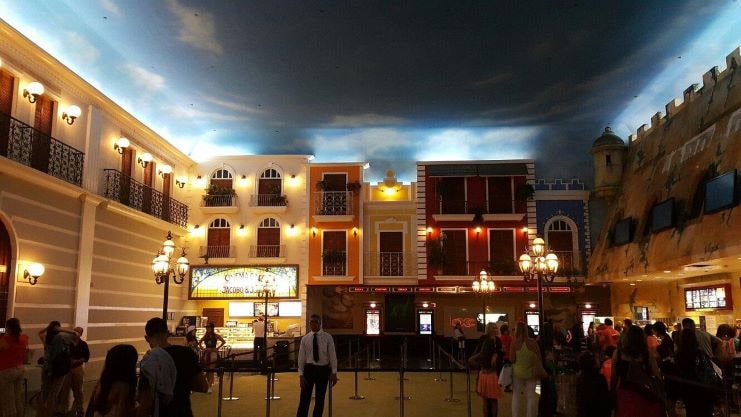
<point>268,188</point>
<point>335,194</point>
<point>561,240</point>
<point>268,239</point>
<point>219,239</point>
<point>455,247</point>
<point>149,171</point>
<point>41,144</point>
<point>451,192</point>
<point>499,190</point>
<point>127,165</point>
<point>502,252</point>
<point>391,253</point>
<point>6,108</point>
<point>334,253</point>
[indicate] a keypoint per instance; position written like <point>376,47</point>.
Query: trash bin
<point>280,355</point>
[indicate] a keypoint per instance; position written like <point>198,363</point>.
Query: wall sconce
<point>525,230</point>
<point>145,159</point>
<point>181,181</point>
<point>33,91</point>
<point>72,113</point>
<point>292,180</point>
<point>587,306</point>
<point>425,304</point>
<point>531,305</point>
<point>243,181</point>
<point>120,145</point>
<point>313,232</point>
<point>372,305</point>
<point>355,231</point>
<point>241,231</point>
<point>366,165</point>
<point>429,231</point>
<point>164,170</point>
<point>33,272</point>
<point>200,182</point>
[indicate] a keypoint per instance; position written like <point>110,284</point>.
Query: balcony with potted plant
<point>335,206</point>
<point>219,200</point>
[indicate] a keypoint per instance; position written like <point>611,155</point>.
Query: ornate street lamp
<point>162,268</point>
<point>483,286</point>
<point>535,266</point>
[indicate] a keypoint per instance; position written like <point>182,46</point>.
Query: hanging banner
<point>236,282</point>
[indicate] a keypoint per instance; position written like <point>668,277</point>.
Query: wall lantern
<point>120,145</point>
<point>165,170</point>
<point>33,91</point>
<point>145,159</point>
<point>33,272</point>
<point>355,231</point>
<point>72,113</point>
<point>313,232</point>
<point>181,181</point>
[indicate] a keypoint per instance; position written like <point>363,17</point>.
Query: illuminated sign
<point>717,297</point>
<point>425,322</point>
<point>236,282</point>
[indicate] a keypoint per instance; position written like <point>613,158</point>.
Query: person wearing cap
<point>317,366</point>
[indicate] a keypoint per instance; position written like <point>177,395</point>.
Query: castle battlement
<point>709,80</point>
<point>558,184</point>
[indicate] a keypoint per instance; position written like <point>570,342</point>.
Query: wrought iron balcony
<point>333,203</point>
<point>485,207</point>
<point>28,146</point>
<point>217,251</point>
<point>334,263</point>
<point>569,264</point>
<point>219,200</point>
<point>267,251</point>
<point>389,264</point>
<point>126,190</point>
<point>268,200</point>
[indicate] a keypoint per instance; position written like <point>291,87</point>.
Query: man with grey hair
<point>317,365</point>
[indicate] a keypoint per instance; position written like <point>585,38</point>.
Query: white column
<point>85,259</point>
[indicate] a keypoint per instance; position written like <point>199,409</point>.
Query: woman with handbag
<point>488,358</point>
<point>636,380</point>
<point>115,393</point>
<point>527,369</point>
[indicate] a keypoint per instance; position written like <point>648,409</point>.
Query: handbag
<point>707,371</point>
<point>505,376</point>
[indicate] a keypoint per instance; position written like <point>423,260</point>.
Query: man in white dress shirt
<point>258,327</point>
<point>317,365</point>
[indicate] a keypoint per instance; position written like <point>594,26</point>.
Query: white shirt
<point>327,354</point>
<point>259,328</point>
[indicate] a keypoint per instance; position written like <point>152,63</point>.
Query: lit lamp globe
<point>160,265</point>
<point>525,263</point>
<point>168,247</point>
<point>492,286</point>
<point>538,246</point>
<point>551,262</point>
<point>182,266</point>
<point>36,270</point>
<point>476,286</point>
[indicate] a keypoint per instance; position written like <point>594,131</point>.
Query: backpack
<point>60,357</point>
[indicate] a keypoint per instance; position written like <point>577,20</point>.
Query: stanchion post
<point>268,394</point>
<point>220,371</point>
<point>356,396</point>
<point>367,360</point>
<point>440,377</point>
<point>450,398</point>
<point>231,397</point>
<point>401,392</point>
<point>330,398</point>
<point>468,389</point>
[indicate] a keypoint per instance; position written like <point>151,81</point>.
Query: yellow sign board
<point>237,282</point>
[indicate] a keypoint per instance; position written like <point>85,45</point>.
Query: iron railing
<point>219,200</point>
<point>268,200</point>
<point>267,251</point>
<point>569,264</point>
<point>333,203</point>
<point>128,191</point>
<point>389,264</point>
<point>334,263</point>
<point>217,251</point>
<point>32,148</point>
<point>508,206</point>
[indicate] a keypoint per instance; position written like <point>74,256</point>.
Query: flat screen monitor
<point>373,322</point>
<point>662,215</point>
<point>720,192</point>
<point>623,231</point>
<point>425,322</point>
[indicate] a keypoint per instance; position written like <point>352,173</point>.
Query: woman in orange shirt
<point>651,339</point>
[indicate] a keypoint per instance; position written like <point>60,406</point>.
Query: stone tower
<point>608,153</point>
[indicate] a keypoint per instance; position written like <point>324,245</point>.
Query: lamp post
<point>162,269</point>
<point>265,287</point>
<point>483,286</point>
<point>535,266</point>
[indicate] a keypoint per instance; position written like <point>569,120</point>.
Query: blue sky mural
<point>387,82</point>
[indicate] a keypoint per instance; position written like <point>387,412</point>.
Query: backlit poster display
<point>425,322</point>
<point>532,320</point>
<point>373,322</point>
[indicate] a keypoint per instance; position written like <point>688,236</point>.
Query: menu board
<point>715,297</point>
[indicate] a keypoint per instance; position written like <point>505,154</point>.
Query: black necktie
<point>315,348</point>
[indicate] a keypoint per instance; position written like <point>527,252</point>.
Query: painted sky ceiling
<point>388,83</point>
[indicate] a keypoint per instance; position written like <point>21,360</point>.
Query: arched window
<point>269,188</point>
<point>562,239</point>
<point>268,239</point>
<point>219,239</point>
<point>222,178</point>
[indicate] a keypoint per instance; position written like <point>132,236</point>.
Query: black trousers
<point>314,375</point>
<point>259,349</point>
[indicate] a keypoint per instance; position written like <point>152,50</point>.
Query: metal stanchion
<point>268,394</point>
<point>330,398</point>
<point>468,390</point>
<point>356,396</point>
<point>220,372</point>
<point>450,398</point>
<point>440,377</point>
<point>401,396</point>
<point>367,363</point>
<point>231,384</point>
<point>401,392</point>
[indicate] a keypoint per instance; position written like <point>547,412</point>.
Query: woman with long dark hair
<point>210,344</point>
<point>57,364</point>
<point>698,401</point>
<point>13,345</point>
<point>633,369</point>
<point>115,393</point>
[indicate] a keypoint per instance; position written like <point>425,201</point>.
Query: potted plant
<point>219,196</point>
<point>354,186</point>
<point>524,192</point>
<point>321,185</point>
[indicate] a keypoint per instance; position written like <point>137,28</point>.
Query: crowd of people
<point>623,370</point>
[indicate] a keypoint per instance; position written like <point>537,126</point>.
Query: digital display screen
<point>289,308</point>
<point>662,215</point>
<point>425,322</point>
<point>707,297</point>
<point>273,309</point>
<point>720,192</point>
<point>241,309</point>
<point>532,321</point>
<point>372,322</point>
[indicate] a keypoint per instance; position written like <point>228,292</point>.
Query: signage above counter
<point>240,282</point>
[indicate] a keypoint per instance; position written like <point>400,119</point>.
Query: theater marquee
<point>237,282</point>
